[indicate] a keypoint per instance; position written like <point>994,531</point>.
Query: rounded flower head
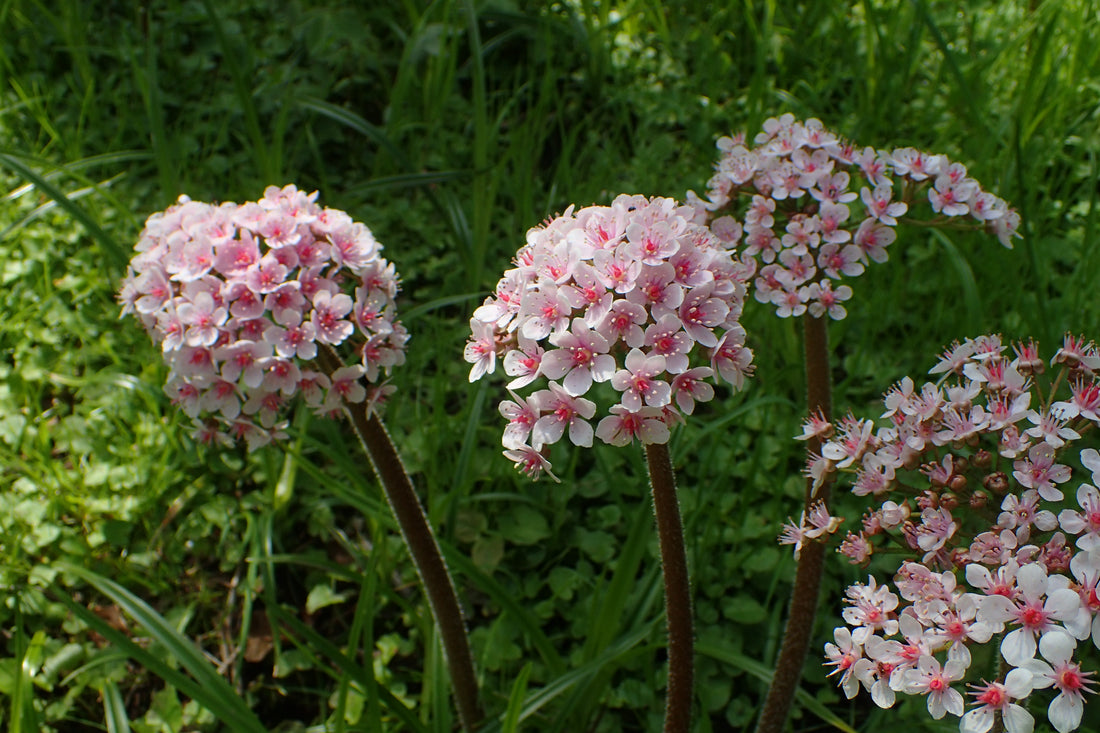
<point>812,208</point>
<point>635,301</point>
<point>998,554</point>
<point>241,297</point>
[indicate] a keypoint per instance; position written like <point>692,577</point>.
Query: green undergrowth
<point>158,586</point>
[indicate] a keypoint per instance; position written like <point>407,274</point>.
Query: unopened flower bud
<point>982,459</point>
<point>872,523</point>
<point>933,475</point>
<point>928,500</point>
<point>997,482</point>
<point>948,500</point>
<point>978,499</point>
<point>957,483</point>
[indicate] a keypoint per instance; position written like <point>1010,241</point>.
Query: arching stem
<point>419,538</point>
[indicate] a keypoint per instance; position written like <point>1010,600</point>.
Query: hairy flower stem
<point>425,553</point>
<point>811,561</point>
<point>670,534</point>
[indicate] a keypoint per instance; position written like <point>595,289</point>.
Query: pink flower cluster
<point>812,209</point>
<point>638,295</point>
<point>970,476</point>
<point>241,297</point>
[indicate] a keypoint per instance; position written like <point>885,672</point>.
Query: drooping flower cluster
<point>636,295</point>
<point>241,297</point>
<point>972,477</point>
<point>812,209</point>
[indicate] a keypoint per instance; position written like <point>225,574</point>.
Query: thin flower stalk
<point>678,607</point>
<point>424,550</point>
<point>246,302</point>
<point>811,558</point>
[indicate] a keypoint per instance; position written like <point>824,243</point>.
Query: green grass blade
<point>411,314</point>
<point>451,208</point>
<point>237,58</point>
<point>40,210</point>
<point>362,637</point>
<point>147,78</point>
<point>763,673</point>
<point>406,180</point>
<point>515,701</point>
<point>502,597</point>
<point>607,623</point>
<point>115,254</point>
<point>29,654</point>
<point>322,650</point>
<point>207,698</point>
<point>485,191</point>
<point>205,685</point>
<point>964,90</point>
<point>974,318</point>
<point>463,477</point>
<point>356,123</point>
<point>617,653</point>
<point>114,709</point>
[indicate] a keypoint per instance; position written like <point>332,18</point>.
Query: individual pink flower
<point>481,350</point>
<point>844,657</point>
<point>638,381</point>
<point>997,699</point>
<point>581,358</point>
<point>1066,676</point>
<point>529,462</point>
<point>823,299</point>
<point>811,526</point>
<point>292,338</point>
<point>623,427</point>
<point>689,386</point>
<point>562,410</point>
<point>1037,609</point>
<point>521,415</point>
<point>930,679</point>
<point>1085,523</point>
<point>870,610</point>
<point>327,318</point>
